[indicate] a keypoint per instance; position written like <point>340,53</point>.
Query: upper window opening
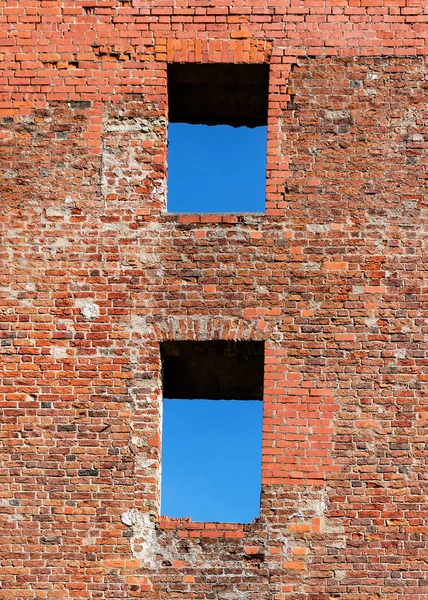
<point>217,137</point>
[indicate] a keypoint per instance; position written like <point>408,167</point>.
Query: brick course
<point>94,274</point>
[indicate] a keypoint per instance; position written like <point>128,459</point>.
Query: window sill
<point>211,217</point>
<point>187,528</point>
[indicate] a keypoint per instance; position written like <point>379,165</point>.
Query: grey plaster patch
<point>89,310</point>
<point>310,266</point>
<point>58,351</point>
<point>13,518</point>
<point>148,258</point>
<point>371,321</point>
<point>129,518</point>
<point>318,228</point>
<point>144,128</point>
<point>144,536</point>
<point>337,114</point>
<point>140,325</point>
<point>58,211</point>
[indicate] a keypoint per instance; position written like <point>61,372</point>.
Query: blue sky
<point>211,459</point>
<point>215,169</point>
<point>211,449</point>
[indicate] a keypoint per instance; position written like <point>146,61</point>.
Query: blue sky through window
<point>216,169</point>
<point>211,459</point>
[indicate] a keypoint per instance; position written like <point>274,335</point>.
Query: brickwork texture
<point>94,274</point>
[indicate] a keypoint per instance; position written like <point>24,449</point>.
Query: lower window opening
<point>212,430</point>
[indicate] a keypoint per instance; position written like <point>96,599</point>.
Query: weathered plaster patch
<point>58,352</point>
<point>89,310</point>
<point>144,536</point>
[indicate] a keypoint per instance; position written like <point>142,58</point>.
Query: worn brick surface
<point>94,274</point>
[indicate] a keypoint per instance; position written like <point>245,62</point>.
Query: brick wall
<point>94,274</point>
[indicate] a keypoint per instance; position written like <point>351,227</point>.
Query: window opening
<point>212,430</point>
<point>217,137</point>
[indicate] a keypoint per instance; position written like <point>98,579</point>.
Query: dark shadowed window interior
<point>217,137</point>
<point>212,430</point>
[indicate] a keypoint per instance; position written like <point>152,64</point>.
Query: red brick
<point>332,278</point>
